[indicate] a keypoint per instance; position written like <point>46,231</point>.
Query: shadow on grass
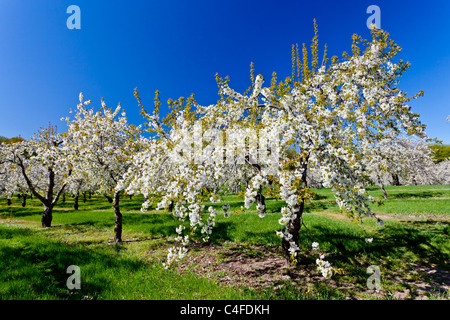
<point>20,212</point>
<point>315,206</point>
<point>34,267</point>
<point>408,245</point>
<point>275,206</point>
<point>321,197</point>
<point>160,224</point>
<point>222,232</point>
<point>421,194</point>
<point>392,240</point>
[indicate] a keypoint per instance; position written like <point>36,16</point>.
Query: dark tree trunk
<point>63,199</point>
<point>396,180</point>
<point>170,208</point>
<point>84,197</point>
<point>110,200</point>
<point>47,216</point>
<point>118,218</point>
<point>24,200</point>
<point>89,195</point>
<point>75,201</point>
<point>131,197</point>
<point>9,202</point>
<point>261,200</point>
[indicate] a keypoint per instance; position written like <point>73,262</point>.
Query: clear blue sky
<point>177,47</point>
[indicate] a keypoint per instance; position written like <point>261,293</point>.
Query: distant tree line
<point>11,140</point>
<point>441,152</point>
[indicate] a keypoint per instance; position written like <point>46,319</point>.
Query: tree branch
<point>29,183</point>
<point>61,190</point>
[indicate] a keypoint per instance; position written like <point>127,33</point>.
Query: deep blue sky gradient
<point>178,46</point>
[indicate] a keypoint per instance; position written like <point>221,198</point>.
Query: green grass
<point>413,241</point>
<point>34,267</point>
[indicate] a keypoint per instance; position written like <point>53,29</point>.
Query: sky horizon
<point>177,47</point>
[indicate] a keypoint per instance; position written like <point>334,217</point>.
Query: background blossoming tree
<point>103,142</point>
<point>44,163</point>
<point>405,159</point>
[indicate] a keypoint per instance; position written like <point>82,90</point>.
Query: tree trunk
<point>382,187</point>
<point>89,195</point>
<point>110,200</point>
<point>384,192</point>
<point>84,197</point>
<point>8,201</point>
<point>47,216</point>
<point>24,200</point>
<point>118,218</point>
<point>75,201</point>
<point>63,198</point>
<point>294,227</point>
<point>396,180</point>
<point>261,200</point>
<point>170,208</point>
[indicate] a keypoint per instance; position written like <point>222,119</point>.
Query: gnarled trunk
<point>47,216</point>
<point>118,218</point>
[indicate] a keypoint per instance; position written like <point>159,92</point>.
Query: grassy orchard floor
<point>244,260</point>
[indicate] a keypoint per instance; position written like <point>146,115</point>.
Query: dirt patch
<point>253,266</point>
<point>264,268</point>
<point>434,281</point>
